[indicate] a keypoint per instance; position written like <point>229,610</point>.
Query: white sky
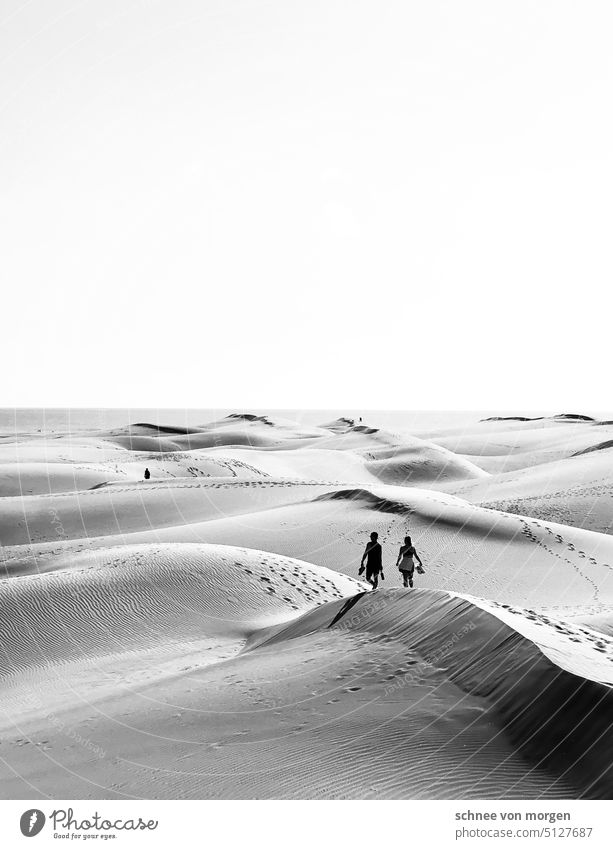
<point>370,203</point>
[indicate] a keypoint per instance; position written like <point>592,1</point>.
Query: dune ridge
<point>601,446</point>
<point>557,719</point>
<point>193,611</point>
<point>205,633</point>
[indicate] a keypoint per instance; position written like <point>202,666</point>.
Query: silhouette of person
<point>147,474</point>
<point>406,563</point>
<point>373,556</point>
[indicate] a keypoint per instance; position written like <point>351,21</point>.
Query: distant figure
<point>406,564</point>
<point>373,556</point>
<point>147,474</point>
<point>360,418</point>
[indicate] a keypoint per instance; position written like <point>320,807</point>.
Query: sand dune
<point>236,429</point>
<point>467,548</point>
<point>58,449</point>
<point>121,508</point>
<point>17,479</point>
<point>600,446</point>
<point>421,463</point>
<point>576,491</point>
<point>112,602</point>
<point>487,658</point>
<point>204,634</point>
<point>497,450</point>
<point>188,677</point>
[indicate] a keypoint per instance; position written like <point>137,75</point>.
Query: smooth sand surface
<point>205,634</point>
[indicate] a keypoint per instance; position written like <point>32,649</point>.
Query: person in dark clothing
<point>147,474</point>
<point>374,565</point>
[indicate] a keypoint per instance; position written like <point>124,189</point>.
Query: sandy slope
<point>576,490</point>
<point>119,508</point>
<point>192,635</point>
<point>468,549</point>
<point>500,447</point>
<point>178,671</point>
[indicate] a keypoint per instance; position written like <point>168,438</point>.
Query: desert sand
<point>205,633</point>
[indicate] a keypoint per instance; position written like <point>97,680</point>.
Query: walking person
<point>374,564</point>
<point>406,562</point>
<point>147,474</point>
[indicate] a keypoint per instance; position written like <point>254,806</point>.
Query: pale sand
<point>185,637</point>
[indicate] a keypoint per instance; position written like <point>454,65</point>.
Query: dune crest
<point>558,720</point>
<point>204,632</point>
